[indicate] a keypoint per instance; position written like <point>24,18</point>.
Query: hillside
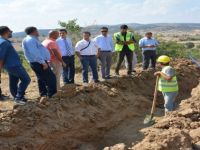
<point>155,27</point>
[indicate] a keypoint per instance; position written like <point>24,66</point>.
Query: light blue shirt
<point>148,42</point>
<point>105,43</point>
<point>62,45</point>
<point>34,51</point>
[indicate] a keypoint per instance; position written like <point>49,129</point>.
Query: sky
<point>18,14</point>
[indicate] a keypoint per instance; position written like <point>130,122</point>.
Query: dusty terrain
<point>99,116</point>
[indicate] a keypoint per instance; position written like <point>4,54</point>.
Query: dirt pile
<point>91,117</point>
<point>178,130</point>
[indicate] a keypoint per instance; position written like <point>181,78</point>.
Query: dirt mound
<point>178,130</point>
<point>95,116</point>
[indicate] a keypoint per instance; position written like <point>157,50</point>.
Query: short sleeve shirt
<point>51,44</point>
<point>90,50</point>
<point>169,71</point>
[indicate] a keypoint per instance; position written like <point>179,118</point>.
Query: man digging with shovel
<point>167,84</point>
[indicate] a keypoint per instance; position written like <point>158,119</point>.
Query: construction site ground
<point>104,116</point>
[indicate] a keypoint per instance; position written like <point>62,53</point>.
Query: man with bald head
<point>56,61</point>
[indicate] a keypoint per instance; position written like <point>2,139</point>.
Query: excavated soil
<point>97,116</point>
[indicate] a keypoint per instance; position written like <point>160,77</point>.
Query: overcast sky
<point>17,14</point>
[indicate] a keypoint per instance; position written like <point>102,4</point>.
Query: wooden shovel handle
<point>155,96</point>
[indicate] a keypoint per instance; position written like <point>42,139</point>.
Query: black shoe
<point>23,99</point>
<point>108,77</point>
<point>96,81</point>
<point>4,97</point>
<point>130,74</point>
<point>133,70</point>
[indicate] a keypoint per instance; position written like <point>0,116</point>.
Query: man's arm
<point>168,75</point>
<point>58,56</point>
<point>132,40</point>
<point>98,52</point>
<point>3,52</point>
<point>32,51</point>
<point>1,64</point>
<point>78,54</point>
<point>111,44</point>
<point>77,50</point>
<point>117,40</point>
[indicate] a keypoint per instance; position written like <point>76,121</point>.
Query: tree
<point>72,28</point>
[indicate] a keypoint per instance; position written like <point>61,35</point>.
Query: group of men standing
<point>55,57</point>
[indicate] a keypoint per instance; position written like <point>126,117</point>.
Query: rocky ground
<point>108,115</point>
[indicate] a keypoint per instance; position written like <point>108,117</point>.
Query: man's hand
<point>45,66</point>
<point>98,54</point>
<point>150,46</point>
<point>129,42</point>
<point>158,73</point>
<point>64,65</point>
<point>120,42</point>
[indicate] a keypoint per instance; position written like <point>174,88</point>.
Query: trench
<point>90,118</point>
<point>128,131</point>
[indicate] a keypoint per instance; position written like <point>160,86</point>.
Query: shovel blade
<point>149,120</point>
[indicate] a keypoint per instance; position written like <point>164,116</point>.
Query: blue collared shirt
<point>62,45</point>
<point>105,43</point>
<point>8,54</point>
<point>34,51</point>
<point>148,42</point>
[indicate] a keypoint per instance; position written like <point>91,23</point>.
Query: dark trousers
<point>149,55</point>
<point>46,80</point>
<point>69,70</point>
<point>0,84</point>
<point>86,62</point>
<point>129,56</point>
<point>17,74</point>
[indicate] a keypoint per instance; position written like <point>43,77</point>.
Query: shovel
<point>149,118</point>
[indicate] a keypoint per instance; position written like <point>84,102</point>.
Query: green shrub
<point>24,61</point>
<point>189,45</point>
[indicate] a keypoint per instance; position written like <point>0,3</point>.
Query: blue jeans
<point>17,74</point>
<point>169,98</point>
<point>87,61</point>
<point>69,70</point>
<point>46,80</point>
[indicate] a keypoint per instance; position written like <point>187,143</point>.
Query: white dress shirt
<point>90,50</point>
<point>105,43</point>
<point>62,46</point>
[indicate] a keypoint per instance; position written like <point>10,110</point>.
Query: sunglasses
<point>104,31</point>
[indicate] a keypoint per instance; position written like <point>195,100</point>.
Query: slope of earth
<point>90,117</point>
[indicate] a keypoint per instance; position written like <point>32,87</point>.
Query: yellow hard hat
<point>163,59</point>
